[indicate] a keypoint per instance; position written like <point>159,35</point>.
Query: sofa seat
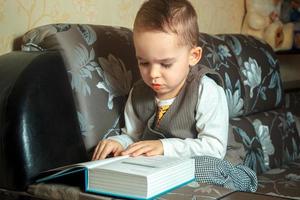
<point>62,192</point>
<point>283,181</point>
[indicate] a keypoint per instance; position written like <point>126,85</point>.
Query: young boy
<point>194,120</point>
<point>176,110</point>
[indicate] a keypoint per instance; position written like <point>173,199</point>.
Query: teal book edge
<point>78,175</point>
<point>97,191</point>
<point>61,173</point>
<point>84,170</point>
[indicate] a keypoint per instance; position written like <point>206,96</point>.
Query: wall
<point>19,16</point>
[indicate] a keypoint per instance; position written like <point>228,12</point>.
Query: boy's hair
<point>176,16</point>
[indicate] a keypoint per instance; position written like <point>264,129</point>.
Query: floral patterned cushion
<point>250,71</point>
<point>219,56</point>
<point>102,67</point>
<point>262,135</point>
<point>270,139</point>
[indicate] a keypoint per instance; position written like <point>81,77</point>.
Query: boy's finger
<point>136,143</point>
<point>101,151</point>
<point>133,148</point>
<point>117,153</point>
<point>96,151</point>
<point>152,153</point>
<point>106,150</point>
<point>141,151</point>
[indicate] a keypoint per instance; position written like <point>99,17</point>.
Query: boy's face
<point>164,65</point>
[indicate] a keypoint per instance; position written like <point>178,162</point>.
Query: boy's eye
<point>166,65</point>
<point>143,64</point>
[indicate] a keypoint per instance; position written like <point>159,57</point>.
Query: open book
<point>130,177</point>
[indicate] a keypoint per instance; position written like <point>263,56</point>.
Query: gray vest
<point>179,121</point>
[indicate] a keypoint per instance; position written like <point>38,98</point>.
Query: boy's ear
<point>195,55</point>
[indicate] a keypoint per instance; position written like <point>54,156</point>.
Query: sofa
<point>67,88</point>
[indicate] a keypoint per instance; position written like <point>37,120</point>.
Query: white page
<point>154,161</point>
<point>89,164</point>
<point>142,165</point>
<point>92,164</point>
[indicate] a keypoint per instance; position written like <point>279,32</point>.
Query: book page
<point>141,165</point>
<point>89,164</point>
<point>153,161</point>
<point>92,164</point>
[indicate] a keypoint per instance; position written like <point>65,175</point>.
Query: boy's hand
<point>148,148</point>
<point>106,147</point>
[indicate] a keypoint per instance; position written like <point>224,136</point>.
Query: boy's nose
<point>154,71</point>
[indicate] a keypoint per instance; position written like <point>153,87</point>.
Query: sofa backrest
<point>102,67</point>
<point>250,70</point>
<point>262,133</point>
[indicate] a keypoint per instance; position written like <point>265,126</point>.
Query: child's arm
<point>116,144</point>
<point>212,125</point>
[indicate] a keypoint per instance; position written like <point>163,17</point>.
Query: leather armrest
<point>39,129</point>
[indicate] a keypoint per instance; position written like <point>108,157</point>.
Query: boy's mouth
<point>156,86</point>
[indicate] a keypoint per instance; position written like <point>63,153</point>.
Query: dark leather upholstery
<point>37,113</point>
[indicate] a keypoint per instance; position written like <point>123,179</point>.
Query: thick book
<point>129,177</point>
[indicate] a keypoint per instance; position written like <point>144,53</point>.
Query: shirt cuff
<point>172,147</point>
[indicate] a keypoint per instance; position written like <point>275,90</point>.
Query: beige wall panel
<point>220,16</point>
<point>19,16</point>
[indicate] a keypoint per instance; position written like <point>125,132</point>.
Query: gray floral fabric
<point>250,71</point>
<point>283,181</point>
<point>102,67</point>
<point>253,88</point>
<point>270,139</point>
<point>263,133</point>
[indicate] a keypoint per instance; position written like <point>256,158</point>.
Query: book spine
<point>86,179</point>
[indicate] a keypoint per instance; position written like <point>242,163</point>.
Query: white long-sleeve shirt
<point>211,125</point>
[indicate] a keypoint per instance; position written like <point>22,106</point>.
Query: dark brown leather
<point>39,128</point>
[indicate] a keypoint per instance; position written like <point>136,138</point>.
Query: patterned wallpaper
<point>19,16</point>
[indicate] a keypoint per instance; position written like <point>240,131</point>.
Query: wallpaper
<point>19,16</point>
